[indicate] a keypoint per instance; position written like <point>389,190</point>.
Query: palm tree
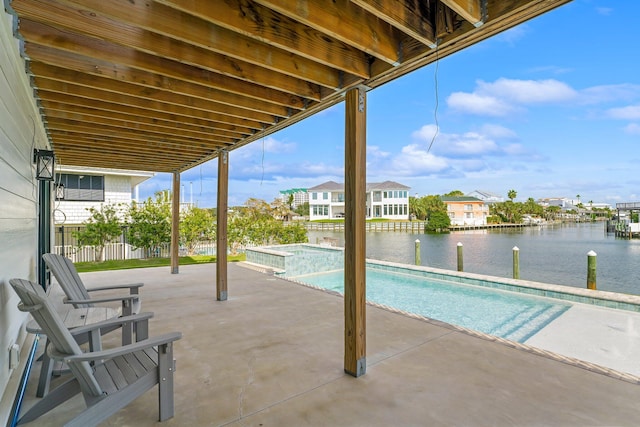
<point>512,194</point>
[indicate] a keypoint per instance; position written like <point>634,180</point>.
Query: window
<point>314,196</point>
<point>377,196</point>
<point>468,207</point>
<point>88,188</point>
<point>325,196</point>
<point>468,215</point>
<point>395,209</point>
<point>405,209</point>
<point>385,209</point>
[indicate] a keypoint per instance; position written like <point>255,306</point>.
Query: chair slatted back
<point>68,279</point>
<point>36,301</point>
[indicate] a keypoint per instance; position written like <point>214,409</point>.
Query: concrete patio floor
<point>272,355</point>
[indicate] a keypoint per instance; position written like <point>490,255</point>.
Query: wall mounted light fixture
<point>45,164</point>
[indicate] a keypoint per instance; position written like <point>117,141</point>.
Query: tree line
<point>432,209</point>
<point>147,225</point>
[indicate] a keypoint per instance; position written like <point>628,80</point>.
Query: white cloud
<point>632,128</point>
<point>455,145</point>
<point>497,131</point>
<point>631,112</point>
<point>373,151</point>
<point>626,92</point>
<point>479,104</point>
<point>415,160</point>
<point>268,145</point>
<point>505,96</point>
<point>469,154</point>
<point>527,92</point>
<point>551,69</point>
<point>512,35</point>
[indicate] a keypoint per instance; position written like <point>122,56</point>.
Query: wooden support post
<point>516,262</point>
<point>355,237</point>
<point>175,224</point>
<point>591,270</point>
<point>221,241</point>
<point>460,257</point>
<point>418,257</point>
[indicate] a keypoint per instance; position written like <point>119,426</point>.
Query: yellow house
<point>465,210</point>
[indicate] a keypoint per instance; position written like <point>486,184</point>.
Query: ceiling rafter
<point>357,28</point>
<point>97,57</point>
<point>107,109</point>
<point>90,115</point>
<point>269,27</point>
<point>222,41</point>
<point>118,131</point>
<point>166,89</point>
<point>148,102</point>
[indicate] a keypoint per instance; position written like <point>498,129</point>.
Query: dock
<point>626,229</point>
<point>405,226</point>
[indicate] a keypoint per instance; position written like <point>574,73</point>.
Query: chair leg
<point>46,369</point>
<point>56,397</point>
<point>166,367</point>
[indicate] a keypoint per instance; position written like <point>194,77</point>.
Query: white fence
<point>121,251</point>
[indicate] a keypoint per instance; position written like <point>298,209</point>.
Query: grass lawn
<point>84,267</point>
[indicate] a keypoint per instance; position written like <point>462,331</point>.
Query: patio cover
<point>164,85</point>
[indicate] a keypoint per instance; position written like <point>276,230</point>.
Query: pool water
<point>505,314</point>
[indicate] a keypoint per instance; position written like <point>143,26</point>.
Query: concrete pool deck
<point>272,356</point>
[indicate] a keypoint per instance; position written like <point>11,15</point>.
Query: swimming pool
<point>496,312</point>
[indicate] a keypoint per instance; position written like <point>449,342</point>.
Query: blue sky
<point>550,108</point>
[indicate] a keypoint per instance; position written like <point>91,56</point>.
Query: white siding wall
<point>117,189</point>
<point>20,131</point>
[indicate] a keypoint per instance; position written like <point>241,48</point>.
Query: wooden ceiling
<point>164,85</point>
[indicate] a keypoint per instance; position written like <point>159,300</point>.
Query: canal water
<point>551,254</point>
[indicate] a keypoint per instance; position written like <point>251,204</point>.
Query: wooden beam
<point>175,224</point>
<point>147,103</point>
<point>413,17</point>
<point>218,40</point>
<point>357,27</point>
<point>248,19</point>
<point>105,147</point>
<point>86,84</point>
<point>81,52</point>
<point>221,232</point>
<point>86,54</point>
<point>469,10</point>
<point>129,122</point>
<point>354,234</point>
<point>137,82</point>
<point>86,145</point>
<point>66,102</point>
<point>135,135</point>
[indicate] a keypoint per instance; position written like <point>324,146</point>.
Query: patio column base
<point>361,368</point>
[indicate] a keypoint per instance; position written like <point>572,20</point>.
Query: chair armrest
<point>131,298</point>
<point>118,351</point>
<point>133,287</point>
<point>111,322</point>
